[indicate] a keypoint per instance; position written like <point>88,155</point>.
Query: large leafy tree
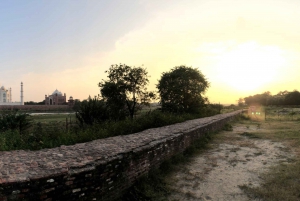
<point>125,90</point>
<point>181,89</point>
<point>292,98</point>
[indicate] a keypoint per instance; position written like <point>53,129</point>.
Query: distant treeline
<point>281,98</point>
<point>34,103</point>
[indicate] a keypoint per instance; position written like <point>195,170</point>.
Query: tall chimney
<point>22,101</point>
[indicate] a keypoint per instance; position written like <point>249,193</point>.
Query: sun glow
<point>249,66</point>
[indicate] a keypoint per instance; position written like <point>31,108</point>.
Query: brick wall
<point>101,169</point>
<point>36,107</point>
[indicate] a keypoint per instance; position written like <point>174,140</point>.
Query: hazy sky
<point>242,47</point>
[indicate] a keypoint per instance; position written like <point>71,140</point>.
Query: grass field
<point>57,117</point>
<point>273,113</point>
<point>281,182</point>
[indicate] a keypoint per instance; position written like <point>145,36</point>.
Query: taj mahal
<point>6,96</point>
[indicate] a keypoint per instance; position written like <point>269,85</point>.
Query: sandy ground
<point>234,160</point>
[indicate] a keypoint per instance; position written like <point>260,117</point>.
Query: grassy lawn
<point>47,118</point>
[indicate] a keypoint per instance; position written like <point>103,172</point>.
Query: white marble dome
<point>57,92</point>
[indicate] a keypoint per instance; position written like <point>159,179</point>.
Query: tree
<point>125,89</point>
<point>241,102</point>
<point>292,98</point>
<point>259,99</point>
<point>76,105</point>
<point>34,103</point>
<point>181,89</point>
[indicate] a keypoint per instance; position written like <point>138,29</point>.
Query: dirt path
<point>236,159</point>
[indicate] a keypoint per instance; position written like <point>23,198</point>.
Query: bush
<point>15,120</point>
<point>91,111</point>
<point>244,116</point>
<point>227,127</point>
<point>54,134</point>
<point>10,140</point>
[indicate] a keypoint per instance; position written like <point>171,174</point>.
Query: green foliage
<point>227,127</point>
<point>115,98</point>
<point>49,134</point>
<point>34,103</point>
<point>181,90</point>
<point>77,104</point>
<point>292,98</point>
<point>244,116</point>
<point>15,120</point>
<point>241,102</point>
<point>10,140</point>
<point>125,90</point>
<point>281,98</point>
<point>33,141</point>
<point>91,111</point>
<point>212,109</point>
<point>151,120</point>
<point>260,99</point>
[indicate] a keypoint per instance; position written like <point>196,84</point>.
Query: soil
<point>236,158</point>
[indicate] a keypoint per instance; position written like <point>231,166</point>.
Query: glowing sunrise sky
<point>243,47</point>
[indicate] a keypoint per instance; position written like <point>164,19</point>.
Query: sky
<point>242,47</point>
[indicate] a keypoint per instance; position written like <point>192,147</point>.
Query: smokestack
<point>22,101</point>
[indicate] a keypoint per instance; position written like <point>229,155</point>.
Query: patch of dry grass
<point>287,132</point>
<point>281,182</point>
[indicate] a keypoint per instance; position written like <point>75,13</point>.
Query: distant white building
<point>6,96</point>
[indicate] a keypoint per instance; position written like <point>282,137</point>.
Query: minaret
<point>10,95</point>
<point>22,101</point>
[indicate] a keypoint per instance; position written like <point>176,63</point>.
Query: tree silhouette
<point>181,89</point>
<point>125,89</point>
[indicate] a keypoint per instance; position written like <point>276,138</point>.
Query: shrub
<point>245,116</point>
<point>15,120</point>
<point>10,140</point>
<point>91,111</point>
<point>227,127</point>
<point>54,134</point>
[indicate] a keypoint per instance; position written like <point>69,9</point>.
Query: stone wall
<point>36,107</point>
<point>101,169</point>
<point>10,103</point>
